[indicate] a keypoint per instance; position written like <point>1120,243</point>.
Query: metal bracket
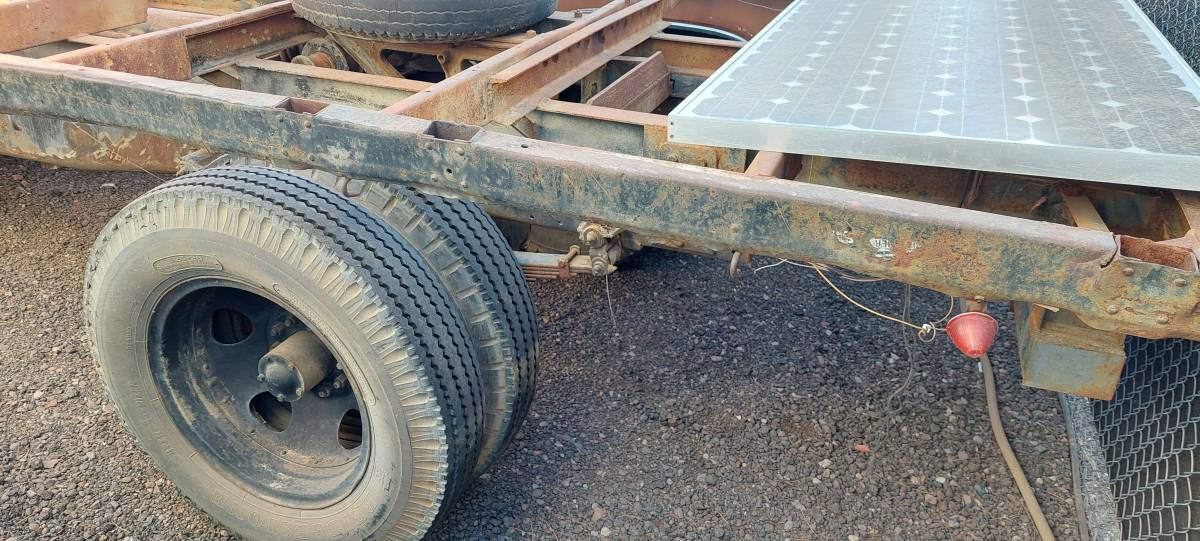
<point>602,246</point>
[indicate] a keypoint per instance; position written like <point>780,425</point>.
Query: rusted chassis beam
<point>960,252</point>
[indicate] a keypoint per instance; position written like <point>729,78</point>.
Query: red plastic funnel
<point>973,333</point>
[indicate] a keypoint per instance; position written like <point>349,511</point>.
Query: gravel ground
<point>699,407</point>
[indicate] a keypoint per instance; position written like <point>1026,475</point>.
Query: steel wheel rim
<point>205,340</point>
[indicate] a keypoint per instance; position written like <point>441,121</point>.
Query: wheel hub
<point>295,366</point>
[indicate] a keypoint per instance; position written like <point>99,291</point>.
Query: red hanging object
<point>973,333</point>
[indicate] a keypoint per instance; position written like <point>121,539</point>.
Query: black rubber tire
<point>471,256</point>
<point>398,335</point>
<point>425,20</point>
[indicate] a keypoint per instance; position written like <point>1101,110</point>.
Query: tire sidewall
<point>126,304</point>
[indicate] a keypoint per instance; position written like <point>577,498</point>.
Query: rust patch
<point>87,146</point>
<point>659,146</point>
<point>1157,253</point>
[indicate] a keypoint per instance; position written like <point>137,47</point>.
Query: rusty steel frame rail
<point>956,251</point>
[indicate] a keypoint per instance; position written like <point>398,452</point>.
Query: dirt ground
<point>696,407</point>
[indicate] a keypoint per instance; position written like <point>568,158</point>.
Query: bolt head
<point>459,151</point>
<point>1128,271</point>
<point>1163,320</point>
<point>1180,282</point>
<point>1112,309</point>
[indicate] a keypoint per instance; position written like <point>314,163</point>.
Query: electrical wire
<point>839,272</point>
<point>925,332</point>
<point>612,315</point>
<point>1010,458</point>
<point>909,349</point>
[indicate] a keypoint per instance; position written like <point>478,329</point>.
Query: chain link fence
<point>1150,433</point>
<point>1179,21</point>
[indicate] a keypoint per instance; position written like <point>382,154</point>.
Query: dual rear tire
<point>417,299</point>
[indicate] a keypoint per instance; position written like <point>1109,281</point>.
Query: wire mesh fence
<point>1179,21</point>
<point>1150,434</point>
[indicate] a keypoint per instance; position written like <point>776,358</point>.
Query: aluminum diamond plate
<point>1081,89</point>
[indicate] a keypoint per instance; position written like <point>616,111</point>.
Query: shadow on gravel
<point>704,407</point>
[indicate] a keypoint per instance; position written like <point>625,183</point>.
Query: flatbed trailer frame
<point>181,85</point>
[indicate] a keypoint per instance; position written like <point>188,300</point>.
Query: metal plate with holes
<point>1081,89</point>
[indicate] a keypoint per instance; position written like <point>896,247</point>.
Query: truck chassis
<point>561,128</point>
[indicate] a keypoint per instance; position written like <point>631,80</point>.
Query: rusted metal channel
<point>29,23</point>
<point>525,84</point>
<point>741,18</point>
<point>212,7</point>
<point>1060,353</point>
<point>467,96</point>
<point>505,87</point>
<point>642,89</point>
<point>959,252</point>
<point>774,164</point>
<point>627,132</point>
<point>196,48</point>
<point>183,45</point>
